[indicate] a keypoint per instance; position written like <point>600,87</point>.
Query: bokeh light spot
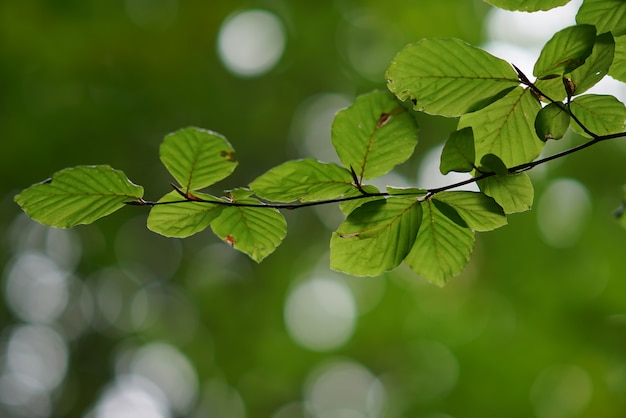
<point>36,288</point>
<point>166,367</point>
<point>344,389</point>
<point>132,396</point>
<point>251,43</point>
<point>320,314</point>
<point>563,211</point>
<point>38,355</point>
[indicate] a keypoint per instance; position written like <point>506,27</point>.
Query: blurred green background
<point>110,320</point>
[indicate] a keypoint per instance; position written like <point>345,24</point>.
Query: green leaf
<point>376,236</point>
<point>442,247</point>
<point>618,67</point>
<point>479,211</point>
<point>197,158</point>
<point>348,206</point>
<point>491,163</point>
<point>565,51</point>
<point>602,115</point>
<point>448,76</point>
<point>606,15</point>
<point>527,5</point>
<point>255,231</point>
<point>374,135</point>
<point>596,66</point>
<point>514,193</point>
<point>78,195</point>
<point>506,128</point>
<point>458,152</point>
<point>552,122</point>
<point>182,219</point>
<point>303,180</point>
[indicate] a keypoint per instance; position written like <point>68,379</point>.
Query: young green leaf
<point>565,51</point>
<point>506,128</point>
<point>552,122</point>
<point>606,15</point>
<point>303,180</point>
<point>479,211</point>
<point>527,5</point>
<point>618,67</point>
<point>448,76</point>
<point>182,219</point>
<point>596,66</point>
<point>442,247</point>
<point>491,163</point>
<point>374,135</point>
<point>255,231</point>
<point>348,206</point>
<point>514,193</point>
<point>458,152</point>
<point>376,236</point>
<point>197,158</point>
<point>602,115</point>
<point>78,195</point>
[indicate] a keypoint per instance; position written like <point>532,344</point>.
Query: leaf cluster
<point>504,120</point>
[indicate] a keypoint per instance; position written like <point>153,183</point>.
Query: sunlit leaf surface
<point>601,114</point>
<point>375,237</point>
<point>506,128</point>
<point>303,180</point>
<point>480,212</point>
<point>181,220</point>
<point>78,195</point>
<point>513,192</point>
<point>442,247</point>
<point>255,231</point>
<point>606,15</point>
<point>448,76</point>
<point>374,134</point>
<point>565,51</point>
<point>197,158</point>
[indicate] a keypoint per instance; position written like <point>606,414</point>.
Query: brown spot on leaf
<point>383,119</point>
<point>228,155</point>
<point>230,240</point>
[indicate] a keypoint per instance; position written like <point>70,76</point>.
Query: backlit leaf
<point>552,122</point>
<point>442,247</point>
<point>606,15</point>
<point>448,76</point>
<point>527,5</point>
<point>565,51</point>
<point>480,212</point>
<point>197,158</point>
<point>374,135</point>
<point>514,193</point>
<point>596,66</point>
<point>303,180</point>
<point>376,236</point>
<point>255,231</point>
<point>506,128</point>
<point>78,195</point>
<point>348,206</point>
<point>183,219</point>
<point>458,152</point>
<point>601,114</point>
<point>618,67</point>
